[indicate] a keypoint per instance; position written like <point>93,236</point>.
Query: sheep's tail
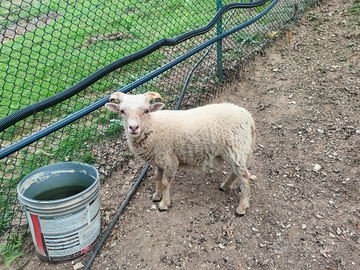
<point>253,137</point>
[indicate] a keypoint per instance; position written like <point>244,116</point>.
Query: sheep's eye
<point>146,111</point>
<point>122,112</point>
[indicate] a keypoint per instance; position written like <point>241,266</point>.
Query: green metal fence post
<point>219,43</point>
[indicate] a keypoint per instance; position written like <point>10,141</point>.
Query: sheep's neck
<point>140,141</point>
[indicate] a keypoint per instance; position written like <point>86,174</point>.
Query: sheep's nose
<point>134,128</point>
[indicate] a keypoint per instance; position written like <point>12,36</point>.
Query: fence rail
<point>49,46</point>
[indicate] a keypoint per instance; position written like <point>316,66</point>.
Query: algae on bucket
<point>62,206</point>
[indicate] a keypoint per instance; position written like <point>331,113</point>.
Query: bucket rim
<point>92,186</point>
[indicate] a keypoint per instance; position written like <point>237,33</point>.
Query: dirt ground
<point>304,213</point>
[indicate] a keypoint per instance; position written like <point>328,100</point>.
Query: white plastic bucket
<point>62,207</point>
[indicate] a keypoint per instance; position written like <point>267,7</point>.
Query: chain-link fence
<point>49,46</point>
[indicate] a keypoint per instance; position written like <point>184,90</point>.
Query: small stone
<point>275,70</point>
<point>153,207</point>
<point>225,172</point>
<point>319,216</point>
<point>331,202</point>
<point>292,102</point>
<point>262,245</point>
<point>254,229</point>
<point>291,95</point>
<point>317,168</point>
<point>253,177</point>
<point>221,246</point>
<point>332,235</point>
<point>131,163</point>
<point>320,131</point>
<point>79,265</point>
<point>290,185</point>
<point>338,231</point>
<point>303,226</point>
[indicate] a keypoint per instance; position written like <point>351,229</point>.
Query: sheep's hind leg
<point>158,177</point>
<point>228,182</point>
<point>245,191</point>
<point>244,176</point>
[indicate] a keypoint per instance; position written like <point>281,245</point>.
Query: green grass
<point>48,60</point>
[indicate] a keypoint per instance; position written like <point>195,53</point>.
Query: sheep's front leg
<point>229,182</point>
<point>158,177</point>
<point>166,181</point>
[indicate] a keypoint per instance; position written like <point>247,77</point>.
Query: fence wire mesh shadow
<point>47,46</point>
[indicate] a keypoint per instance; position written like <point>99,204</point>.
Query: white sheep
<point>198,138</point>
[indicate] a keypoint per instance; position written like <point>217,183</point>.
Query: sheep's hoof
<point>163,206</point>
<point>223,187</point>
<point>240,214</point>
<point>156,198</point>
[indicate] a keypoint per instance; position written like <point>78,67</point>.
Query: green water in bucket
<point>59,193</point>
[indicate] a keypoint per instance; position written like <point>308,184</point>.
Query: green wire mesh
<point>48,46</point>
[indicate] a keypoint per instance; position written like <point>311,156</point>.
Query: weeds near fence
<point>11,250</point>
<point>355,10</point>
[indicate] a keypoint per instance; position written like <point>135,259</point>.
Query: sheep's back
<point>200,136</point>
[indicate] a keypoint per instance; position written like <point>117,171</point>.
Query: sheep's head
<point>135,110</point>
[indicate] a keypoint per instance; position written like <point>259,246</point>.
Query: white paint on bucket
<point>62,229</point>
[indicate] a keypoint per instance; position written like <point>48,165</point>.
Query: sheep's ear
<point>156,106</point>
<point>117,96</point>
<point>113,107</point>
<point>152,95</point>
